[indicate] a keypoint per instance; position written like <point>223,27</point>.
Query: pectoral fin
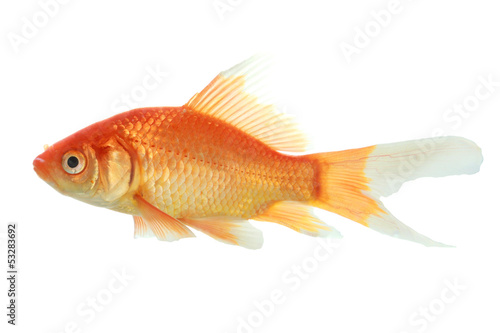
<point>163,226</point>
<point>141,228</point>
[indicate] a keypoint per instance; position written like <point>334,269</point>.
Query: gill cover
<point>115,170</point>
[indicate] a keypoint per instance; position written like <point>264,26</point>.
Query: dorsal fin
<point>234,96</point>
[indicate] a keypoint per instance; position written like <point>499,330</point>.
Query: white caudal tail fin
<point>352,181</point>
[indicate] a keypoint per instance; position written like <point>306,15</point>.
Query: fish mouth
<point>40,167</point>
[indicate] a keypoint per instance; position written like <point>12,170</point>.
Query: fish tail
<point>351,182</point>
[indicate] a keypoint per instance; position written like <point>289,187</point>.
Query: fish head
<point>87,167</point>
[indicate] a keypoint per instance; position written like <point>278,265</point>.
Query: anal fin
<point>163,226</point>
<point>298,217</point>
<point>229,230</point>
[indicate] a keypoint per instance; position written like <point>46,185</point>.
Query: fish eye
<point>73,162</point>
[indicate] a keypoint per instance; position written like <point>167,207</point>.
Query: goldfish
<point>226,157</point>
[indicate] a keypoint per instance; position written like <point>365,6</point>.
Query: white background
<point>398,87</point>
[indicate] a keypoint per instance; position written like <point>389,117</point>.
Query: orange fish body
<point>215,162</point>
<point>191,165</point>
